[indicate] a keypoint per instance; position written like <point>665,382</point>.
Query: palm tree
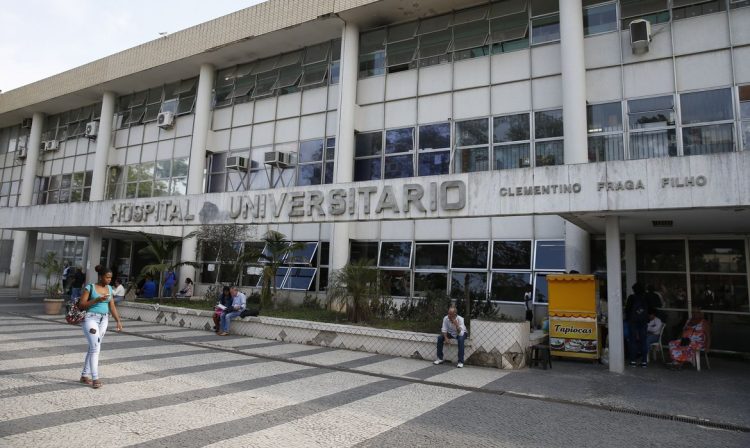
<point>354,287</point>
<point>277,249</point>
<point>52,267</point>
<point>161,249</point>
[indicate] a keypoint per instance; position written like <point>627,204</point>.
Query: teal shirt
<point>101,307</point>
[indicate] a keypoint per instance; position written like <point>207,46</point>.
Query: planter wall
<point>53,306</point>
<point>496,344</point>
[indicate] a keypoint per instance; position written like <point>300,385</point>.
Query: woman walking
<point>97,300</point>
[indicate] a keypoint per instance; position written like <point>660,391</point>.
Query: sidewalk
<point>718,396</point>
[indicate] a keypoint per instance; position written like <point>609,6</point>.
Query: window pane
<point>179,186</point>
<point>672,288</point>
<point>472,132</point>
<point>539,7</point>
<point>469,160</point>
<point>163,169</point>
<point>548,124</point>
<point>431,256</point>
<point>395,254</point>
<point>550,255</point>
<point>299,278</point>
<point>430,281</point>
<point>702,107</point>
<point>545,29</point>
<point>470,35</point>
<point>512,156</point>
<point>509,287</point>
<point>660,255</point>
<point>719,292</point>
<point>549,153</point>
<point>396,283</point>
<point>708,139</point>
<point>399,140</point>
<point>146,171</point>
<point>726,256</point>
<point>469,285</point>
<point>604,117</point>
<point>433,163</point>
<point>645,145</point>
<point>401,52</point>
<point>434,44</point>
<point>309,174</point>
<point>288,76</point>
<point>651,112</point>
<point>180,167</point>
<point>633,8</point>
<point>316,53</point>
<point>509,28</point>
<point>372,41</point>
<point>368,144</point>
<point>470,254</point>
<point>435,24</point>
<point>311,151</point>
<point>541,291</point>
<point>606,147</point>
<point>280,274</point>
<point>600,19</point>
<point>363,250</point>
<point>435,136</point>
<point>303,255</point>
<point>314,74</point>
<point>511,128</point>
<point>399,166</point>
<point>367,169</point>
<point>511,255</point>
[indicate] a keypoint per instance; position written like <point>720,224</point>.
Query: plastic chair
<point>697,362</point>
<point>657,345</point>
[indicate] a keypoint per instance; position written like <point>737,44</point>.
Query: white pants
<point>94,327</point>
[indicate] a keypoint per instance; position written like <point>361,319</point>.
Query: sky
<point>41,38</point>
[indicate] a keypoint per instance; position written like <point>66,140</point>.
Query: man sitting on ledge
<point>239,301</point>
<point>453,328</point>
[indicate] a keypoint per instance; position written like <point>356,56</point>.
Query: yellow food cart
<point>573,330</point>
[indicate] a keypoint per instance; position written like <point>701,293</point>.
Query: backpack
<point>638,309</point>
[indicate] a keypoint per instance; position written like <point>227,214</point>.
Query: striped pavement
<point>174,387</point>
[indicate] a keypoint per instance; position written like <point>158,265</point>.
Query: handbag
<point>75,315</point>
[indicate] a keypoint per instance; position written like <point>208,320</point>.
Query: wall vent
<point>662,223</point>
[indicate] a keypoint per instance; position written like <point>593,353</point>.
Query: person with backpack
<point>636,311</point>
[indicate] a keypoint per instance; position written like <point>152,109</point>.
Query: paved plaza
<point>173,387</point>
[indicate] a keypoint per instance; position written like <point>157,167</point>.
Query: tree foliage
<point>354,287</point>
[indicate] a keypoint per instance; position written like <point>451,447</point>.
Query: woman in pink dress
<point>696,336</point>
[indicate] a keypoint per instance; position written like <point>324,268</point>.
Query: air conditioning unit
<point>278,159</point>
<point>640,35</point>
<point>21,153</point>
<point>165,120</point>
<point>26,123</point>
<point>237,162</point>
<point>92,130</point>
<point>51,145</point>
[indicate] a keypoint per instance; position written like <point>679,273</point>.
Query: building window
<point>434,149</point>
<point>315,162</point>
<point>472,146</point>
<point>655,11</point>
<point>509,26</point>
<point>605,132</point>
<point>368,153</point>
<point>684,9</point>
<point>651,122</point>
<point>545,21</point>
<point>430,267</point>
<point>548,133</point>
<point>469,269</point>
<point>707,122</point>
<point>372,53</point>
<point>144,106</point>
<point>150,179</point>
<point>470,33</point>
<point>599,18</point>
<point>745,115</point>
<point>363,250</point>
<point>395,267</point>
<point>512,141</point>
<point>718,277</point>
<point>549,255</point>
<point>399,153</point>
<point>64,188</point>
<point>507,257</point>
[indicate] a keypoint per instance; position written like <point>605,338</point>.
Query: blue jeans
<point>226,318</point>
<point>94,326</point>
<point>459,339</point>
<point>638,344</point>
<point>167,291</point>
<point>75,293</point>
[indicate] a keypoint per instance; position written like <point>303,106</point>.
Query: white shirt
<point>654,326</point>
<point>449,328</point>
<point>119,291</point>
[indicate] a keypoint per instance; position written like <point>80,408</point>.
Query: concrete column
<point>188,252</point>
<point>631,275</point>
<point>30,238</point>
<point>103,143</point>
<point>30,167</point>
<point>577,249</point>
<point>614,296</point>
<point>93,255</point>
<point>345,135</point>
<point>201,126</point>
<point>573,81</point>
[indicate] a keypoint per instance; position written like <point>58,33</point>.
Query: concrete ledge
<point>496,344</point>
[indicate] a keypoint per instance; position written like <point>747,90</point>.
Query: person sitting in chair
<point>453,328</point>
<point>696,336</point>
<point>653,329</point>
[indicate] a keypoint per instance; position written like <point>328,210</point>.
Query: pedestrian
<point>119,292</point>
<point>239,302</point>
<point>453,328</point>
<point>636,311</point>
<point>98,303</point>
<point>169,283</point>
<point>527,300</point>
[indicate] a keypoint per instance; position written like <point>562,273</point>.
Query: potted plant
<point>52,267</point>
